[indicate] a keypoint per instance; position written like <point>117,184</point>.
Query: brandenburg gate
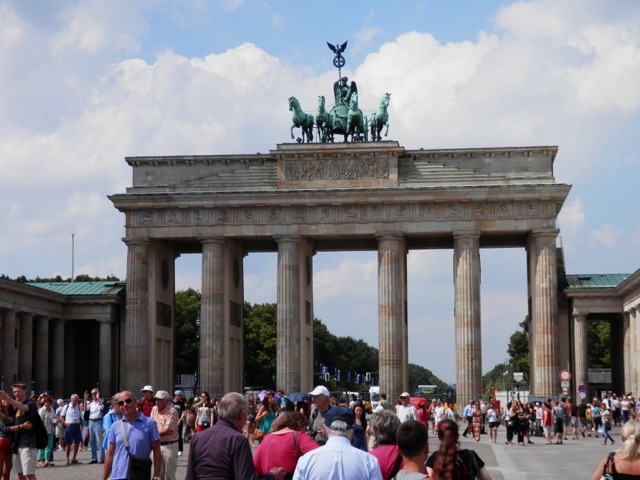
<point>303,198</point>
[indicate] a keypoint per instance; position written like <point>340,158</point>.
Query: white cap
<point>320,390</point>
<point>147,388</point>
<point>405,394</point>
<point>162,395</point>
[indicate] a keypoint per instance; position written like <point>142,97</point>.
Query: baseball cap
<point>179,392</point>
<point>339,413</point>
<point>162,395</point>
<point>147,388</point>
<point>320,390</point>
<point>404,394</point>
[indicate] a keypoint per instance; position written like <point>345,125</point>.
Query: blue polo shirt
<point>140,434</point>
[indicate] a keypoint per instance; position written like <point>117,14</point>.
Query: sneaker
<point>93,461</point>
<point>75,462</point>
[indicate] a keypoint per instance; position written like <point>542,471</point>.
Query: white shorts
<point>25,461</point>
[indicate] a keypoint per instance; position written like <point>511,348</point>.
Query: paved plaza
<point>576,459</point>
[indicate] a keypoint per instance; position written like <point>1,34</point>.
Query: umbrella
<point>263,394</point>
<point>298,397</point>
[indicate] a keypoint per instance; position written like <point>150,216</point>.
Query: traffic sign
<point>565,375</point>
<point>582,388</point>
<point>565,390</point>
<point>564,384</point>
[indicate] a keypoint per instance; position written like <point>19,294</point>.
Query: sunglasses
<point>126,400</point>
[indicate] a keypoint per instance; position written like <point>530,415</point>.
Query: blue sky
<point>86,83</point>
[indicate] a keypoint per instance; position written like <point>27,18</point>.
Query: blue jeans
<point>95,427</point>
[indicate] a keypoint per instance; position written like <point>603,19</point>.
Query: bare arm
<point>598,473</point>
<point>157,458</point>
<point>108,461</point>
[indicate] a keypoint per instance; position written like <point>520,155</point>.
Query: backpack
<point>39,430</point>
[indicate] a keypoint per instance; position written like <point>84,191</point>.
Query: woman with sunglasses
<point>206,413</point>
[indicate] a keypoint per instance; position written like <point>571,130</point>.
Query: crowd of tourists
<point>269,435</point>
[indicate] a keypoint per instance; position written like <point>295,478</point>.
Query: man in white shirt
<point>405,410</point>
<point>337,459</point>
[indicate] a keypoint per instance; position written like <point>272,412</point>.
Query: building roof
<point>81,288</point>
<point>596,280</point>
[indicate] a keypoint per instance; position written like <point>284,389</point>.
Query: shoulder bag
<point>609,467</point>
<point>139,467</point>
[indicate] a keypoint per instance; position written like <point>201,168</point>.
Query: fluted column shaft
<point>581,374</point>
<point>25,352</point>
<point>544,306</point>
<point>392,331</point>
<point>633,350</point>
<point>212,332</point>
<point>466,277</point>
<point>41,358</point>
<point>105,367</point>
<point>288,314</point>
<point>57,358</point>
<point>136,338</point>
<point>9,353</point>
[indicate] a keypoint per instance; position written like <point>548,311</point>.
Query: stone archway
<point>300,199</point>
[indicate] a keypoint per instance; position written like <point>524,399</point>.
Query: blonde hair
<point>631,437</point>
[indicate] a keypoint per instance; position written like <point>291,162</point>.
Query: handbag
<point>474,473</point>
<point>609,467</point>
<point>258,435</point>
<point>139,468</point>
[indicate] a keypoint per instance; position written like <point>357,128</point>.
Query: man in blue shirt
<point>142,437</point>
<point>468,416</point>
<point>337,459</point>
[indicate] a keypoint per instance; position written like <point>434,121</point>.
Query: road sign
<point>565,391</point>
<point>582,395</point>
<point>565,375</point>
<point>564,384</point>
<point>582,388</point>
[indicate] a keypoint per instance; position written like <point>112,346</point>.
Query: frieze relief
<point>339,169</point>
<point>341,213</point>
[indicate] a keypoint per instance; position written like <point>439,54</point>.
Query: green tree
<point>518,349</point>
<point>187,343</point>
<point>421,376</point>
<point>260,324</point>
<point>599,341</point>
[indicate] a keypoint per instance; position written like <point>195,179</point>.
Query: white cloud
<point>606,236</point>
<point>571,217</point>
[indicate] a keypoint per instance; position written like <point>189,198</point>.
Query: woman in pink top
<point>284,445</point>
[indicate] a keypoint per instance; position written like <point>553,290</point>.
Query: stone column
<point>25,352</point>
<point>41,357</point>
<point>466,278</point>
<point>9,357</point>
<point>544,308</point>
<point>105,360</point>
<point>580,345</point>
<point>626,350</point>
<point>136,336</point>
<point>289,315</point>
<point>57,359</point>
<point>212,331</point>
<point>393,343</point>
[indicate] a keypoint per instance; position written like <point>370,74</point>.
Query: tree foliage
<point>187,342</point>
<point>599,341</point>
<point>347,354</point>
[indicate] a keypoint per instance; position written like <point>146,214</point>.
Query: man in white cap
<point>405,410</point>
<point>320,400</point>
<point>167,419</point>
<point>147,403</point>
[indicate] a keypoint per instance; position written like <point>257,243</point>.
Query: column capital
<point>288,238</point>
<point>631,310</point>
<point>545,232</point>
<point>579,313</point>
<point>466,234</point>
<point>132,242</point>
<point>211,240</point>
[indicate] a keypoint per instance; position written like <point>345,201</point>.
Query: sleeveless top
<point>614,473</point>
